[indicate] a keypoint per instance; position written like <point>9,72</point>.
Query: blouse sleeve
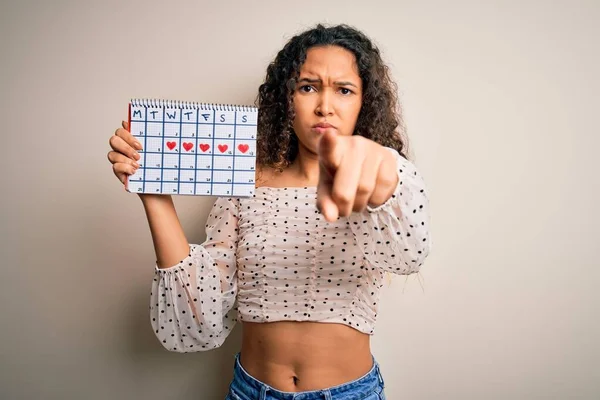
<point>192,302</point>
<point>395,235</point>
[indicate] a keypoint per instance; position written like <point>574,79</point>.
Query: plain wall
<point>500,101</point>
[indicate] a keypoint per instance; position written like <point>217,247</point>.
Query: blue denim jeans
<point>245,387</point>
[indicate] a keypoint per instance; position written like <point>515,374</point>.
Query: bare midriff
<point>302,356</point>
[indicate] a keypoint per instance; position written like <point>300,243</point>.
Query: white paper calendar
<point>193,148</point>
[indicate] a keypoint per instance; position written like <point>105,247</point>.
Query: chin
<point>310,147</point>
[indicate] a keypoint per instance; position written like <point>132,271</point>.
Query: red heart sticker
<point>171,145</point>
<point>243,147</point>
<point>223,148</point>
<point>188,146</point>
<point>204,147</point>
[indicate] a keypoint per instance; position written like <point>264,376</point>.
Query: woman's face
<point>328,95</point>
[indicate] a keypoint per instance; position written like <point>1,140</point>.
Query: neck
<point>306,166</point>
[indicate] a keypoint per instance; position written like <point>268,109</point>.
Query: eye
<point>306,88</point>
<point>346,91</point>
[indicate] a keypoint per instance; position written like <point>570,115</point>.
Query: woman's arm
<point>192,304</point>
<point>395,235</point>
<point>170,243</point>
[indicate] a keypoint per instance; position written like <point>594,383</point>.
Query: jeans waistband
<point>255,389</point>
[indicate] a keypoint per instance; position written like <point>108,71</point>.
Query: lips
<point>322,127</point>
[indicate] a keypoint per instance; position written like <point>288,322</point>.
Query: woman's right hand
<point>124,155</point>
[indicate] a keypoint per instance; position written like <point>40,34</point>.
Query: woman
<point>300,264</point>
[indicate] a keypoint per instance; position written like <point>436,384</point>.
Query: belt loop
<point>380,376</point>
<point>263,392</point>
<point>327,394</point>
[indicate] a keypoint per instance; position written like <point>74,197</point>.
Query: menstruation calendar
<point>193,148</point>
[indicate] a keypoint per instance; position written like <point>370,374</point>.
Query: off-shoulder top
<point>274,257</point>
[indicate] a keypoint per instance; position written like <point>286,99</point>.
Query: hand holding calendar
<point>124,155</point>
<point>187,148</point>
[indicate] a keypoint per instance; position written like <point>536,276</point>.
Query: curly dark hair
<point>380,118</point>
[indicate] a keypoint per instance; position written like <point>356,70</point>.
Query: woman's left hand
<point>353,172</point>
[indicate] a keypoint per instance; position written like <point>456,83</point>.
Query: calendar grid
<point>180,147</point>
<point>210,123</point>
<point>196,144</point>
<point>234,143</point>
<point>145,142</point>
<point>162,154</point>
<point>212,178</point>
<point>208,150</point>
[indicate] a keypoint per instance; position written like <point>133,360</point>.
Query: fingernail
<point>136,164</point>
<point>138,145</point>
<point>136,155</point>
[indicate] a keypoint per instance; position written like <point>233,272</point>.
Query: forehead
<point>332,61</point>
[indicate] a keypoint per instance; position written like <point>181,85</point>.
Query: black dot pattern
<point>273,257</point>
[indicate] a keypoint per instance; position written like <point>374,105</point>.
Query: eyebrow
<point>339,83</point>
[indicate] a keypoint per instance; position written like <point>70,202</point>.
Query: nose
<point>324,106</point>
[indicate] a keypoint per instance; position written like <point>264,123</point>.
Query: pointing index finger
<point>330,151</point>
